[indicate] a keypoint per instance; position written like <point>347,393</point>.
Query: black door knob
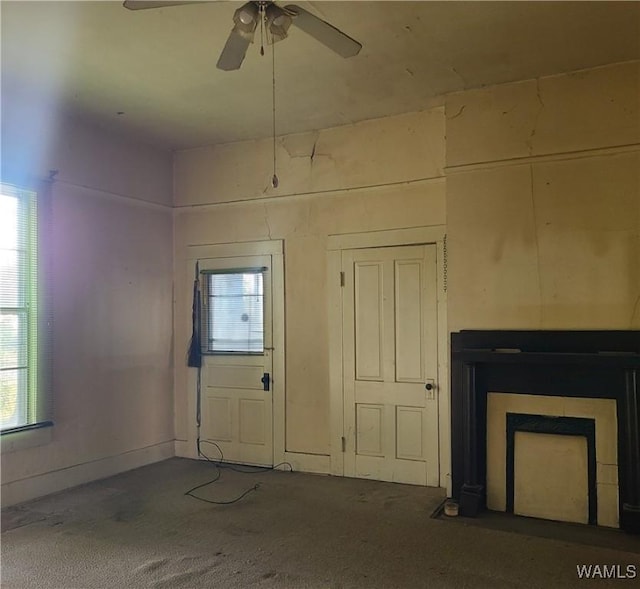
<point>428,386</point>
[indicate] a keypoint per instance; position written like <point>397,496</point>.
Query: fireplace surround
<point>591,364</point>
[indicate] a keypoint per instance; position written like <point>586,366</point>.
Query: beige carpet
<point>301,531</point>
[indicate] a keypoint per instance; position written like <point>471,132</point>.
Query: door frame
<point>336,244</point>
<point>275,249</point>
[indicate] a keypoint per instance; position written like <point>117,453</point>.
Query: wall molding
<point>123,198</point>
<point>543,158</point>
<point>303,195</point>
<point>31,487</point>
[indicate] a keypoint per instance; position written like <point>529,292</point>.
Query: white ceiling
<point>157,67</point>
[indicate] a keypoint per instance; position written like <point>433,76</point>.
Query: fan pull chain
<point>263,16</point>
<point>274,180</point>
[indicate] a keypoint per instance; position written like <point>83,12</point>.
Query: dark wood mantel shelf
<point>603,359</point>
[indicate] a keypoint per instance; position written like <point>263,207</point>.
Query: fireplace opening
<point>550,479</point>
<point>551,467</point>
<point>573,396</point>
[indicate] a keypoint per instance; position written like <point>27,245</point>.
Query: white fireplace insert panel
<point>550,470</point>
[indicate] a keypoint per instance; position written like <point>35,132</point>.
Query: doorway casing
<point>274,249</point>
<point>336,244</point>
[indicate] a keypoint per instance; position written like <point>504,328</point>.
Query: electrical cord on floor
<point>219,464</point>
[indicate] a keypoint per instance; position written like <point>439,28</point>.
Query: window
<point>234,312</point>
<point>22,313</point>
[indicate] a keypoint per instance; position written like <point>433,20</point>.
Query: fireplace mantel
<point>595,364</point>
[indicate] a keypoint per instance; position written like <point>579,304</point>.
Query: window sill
<point>14,441</point>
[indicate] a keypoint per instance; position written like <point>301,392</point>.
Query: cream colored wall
<point>381,174</point>
<point>543,219</point>
<point>543,203</point>
<point>112,297</point>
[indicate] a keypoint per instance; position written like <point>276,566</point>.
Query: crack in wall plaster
<point>537,245</point>
<point>308,219</point>
<point>458,113</point>
<point>537,117</point>
<point>327,155</point>
<point>636,306</point>
<point>457,73</point>
<point>314,158</point>
<point>298,146</point>
<point>266,221</point>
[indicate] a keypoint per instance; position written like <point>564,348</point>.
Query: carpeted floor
<point>138,529</point>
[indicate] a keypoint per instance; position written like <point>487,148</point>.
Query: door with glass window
<point>236,386</point>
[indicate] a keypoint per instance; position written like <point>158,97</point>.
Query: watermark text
<point>607,571</point>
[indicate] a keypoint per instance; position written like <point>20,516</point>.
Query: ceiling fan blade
<point>142,4</point>
<point>322,31</point>
<point>234,51</point>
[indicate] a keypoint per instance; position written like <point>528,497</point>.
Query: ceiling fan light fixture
<point>246,17</point>
<point>278,22</point>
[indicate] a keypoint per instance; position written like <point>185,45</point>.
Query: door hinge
<point>341,278</point>
<point>344,443</point>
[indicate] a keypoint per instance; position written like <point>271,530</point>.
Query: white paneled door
<point>390,364</point>
<point>237,370</point>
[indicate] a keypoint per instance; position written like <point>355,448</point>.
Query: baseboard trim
<point>315,463</point>
<point>15,492</point>
<point>185,449</point>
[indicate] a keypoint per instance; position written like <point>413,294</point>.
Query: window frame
<point>204,274</point>
<point>38,308</point>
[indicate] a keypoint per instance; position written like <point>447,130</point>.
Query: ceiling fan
<point>277,21</point>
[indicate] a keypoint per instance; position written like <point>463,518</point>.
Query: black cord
<point>251,469</point>
<point>190,492</point>
<point>235,467</point>
<point>219,465</point>
<point>199,403</point>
